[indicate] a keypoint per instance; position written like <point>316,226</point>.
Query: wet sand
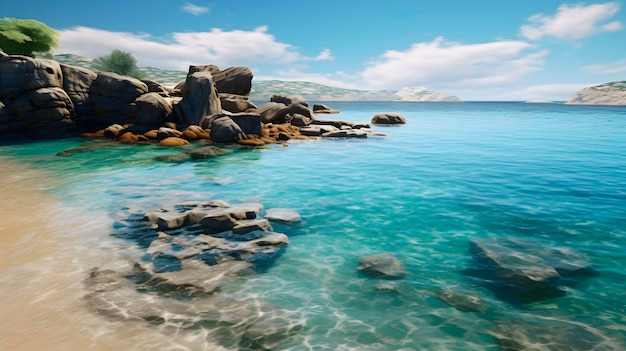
<point>47,250</point>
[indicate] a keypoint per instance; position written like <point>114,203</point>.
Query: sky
<point>478,50</point>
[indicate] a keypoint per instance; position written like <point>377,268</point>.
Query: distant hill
<point>613,93</point>
<point>262,90</point>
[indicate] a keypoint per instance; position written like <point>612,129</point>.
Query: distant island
<point>262,90</point>
<point>613,93</point>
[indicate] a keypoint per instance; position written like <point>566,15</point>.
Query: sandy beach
<point>47,250</point>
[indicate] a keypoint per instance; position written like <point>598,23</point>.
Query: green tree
<point>119,62</point>
<point>26,37</point>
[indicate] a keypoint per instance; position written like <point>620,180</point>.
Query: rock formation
<point>44,99</point>
<point>604,94</point>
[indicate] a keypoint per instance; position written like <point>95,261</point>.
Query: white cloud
<point>324,55</point>
<point>195,9</point>
<point>573,22</point>
<point>616,67</point>
<point>222,48</point>
<point>548,92</point>
<point>440,64</point>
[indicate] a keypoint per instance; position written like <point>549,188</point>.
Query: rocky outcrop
<point>32,96</point>
<point>41,98</point>
<point>202,245</point>
<point>604,94</point>
<point>199,99</point>
<point>112,98</point>
<point>234,80</point>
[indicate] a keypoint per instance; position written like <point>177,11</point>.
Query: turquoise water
<point>550,173</point>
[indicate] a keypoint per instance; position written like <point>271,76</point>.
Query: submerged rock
<point>246,324</point>
<point>549,334</point>
<point>282,215</point>
<point>201,245</point>
<point>384,265</point>
<point>526,269</point>
<point>461,301</point>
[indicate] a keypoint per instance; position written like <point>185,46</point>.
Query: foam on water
<point>552,174</point>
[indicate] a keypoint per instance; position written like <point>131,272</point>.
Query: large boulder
<point>526,270</point>
<point>234,80</point>
<point>273,112</point>
<point>199,99</point>
<point>44,112</point>
<point>225,130</point>
<point>156,87</point>
<point>250,123</point>
<point>112,97</point>
<point>236,103</point>
<point>388,118</point>
<point>153,109</point>
<point>76,83</point>
<point>22,73</point>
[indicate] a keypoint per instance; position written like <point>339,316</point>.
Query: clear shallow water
<point>552,174</point>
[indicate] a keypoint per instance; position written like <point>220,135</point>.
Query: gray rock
<point>320,107</point>
<point>153,109</point>
<point>112,98</point>
<point>156,87</point>
<point>461,301</point>
<point>282,215</point>
<point>250,123</point>
<point>289,99</point>
<point>299,120</point>
<point>225,130</point>
<point>236,103</point>
<point>520,269</point>
<point>273,112</point>
<point>234,80</point>
<point>528,270</point>
<point>218,222</point>
<point>332,122</point>
<point>388,118</point>
<point>317,130</point>
<point>300,108</point>
<point>76,83</point>
<point>248,225</point>
<point>384,265</point>
<point>199,99</point>
<point>23,73</point>
<point>346,134</point>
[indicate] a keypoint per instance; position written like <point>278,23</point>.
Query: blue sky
<point>475,49</point>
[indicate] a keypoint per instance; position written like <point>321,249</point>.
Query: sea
<point>547,174</point>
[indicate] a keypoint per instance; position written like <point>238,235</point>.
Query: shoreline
<point>48,250</point>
